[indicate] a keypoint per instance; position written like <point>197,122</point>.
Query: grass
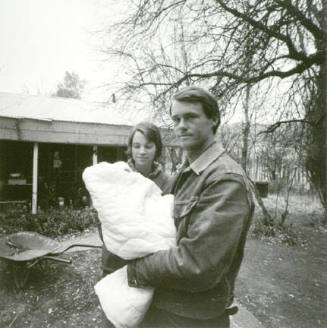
<point>302,211</point>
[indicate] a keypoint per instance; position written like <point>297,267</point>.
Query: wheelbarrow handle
<point>76,245</point>
<point>48,257</point>
<point>59,259</point>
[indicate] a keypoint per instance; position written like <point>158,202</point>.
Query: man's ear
<point>215,121</point>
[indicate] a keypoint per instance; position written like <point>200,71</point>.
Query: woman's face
<point>143,151</point>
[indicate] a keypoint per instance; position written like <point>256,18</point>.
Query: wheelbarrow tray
<point>27,246</point>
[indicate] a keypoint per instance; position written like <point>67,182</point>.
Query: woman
<point>143,152</point>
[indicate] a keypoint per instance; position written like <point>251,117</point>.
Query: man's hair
<point>200,95</point>
<point>151,132</point>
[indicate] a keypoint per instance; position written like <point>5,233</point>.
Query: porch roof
<point>62,120</point>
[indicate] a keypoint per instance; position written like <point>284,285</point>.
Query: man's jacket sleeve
<point>215,226</point>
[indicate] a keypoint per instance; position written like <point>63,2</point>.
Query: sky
<point>42,39</point>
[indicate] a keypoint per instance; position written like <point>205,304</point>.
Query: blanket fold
<point>136,220</point>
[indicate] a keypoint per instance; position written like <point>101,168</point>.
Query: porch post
<point>35,171</point>
<point>95,155</point>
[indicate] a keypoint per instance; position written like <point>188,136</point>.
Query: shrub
<point>277,232</point>
<point>52,222</point>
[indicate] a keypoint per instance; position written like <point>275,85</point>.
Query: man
<point>212,211</point>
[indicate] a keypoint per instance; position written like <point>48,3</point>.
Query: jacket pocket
<point>184,207</point>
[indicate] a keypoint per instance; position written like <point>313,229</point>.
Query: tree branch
<point>176,4</point>
<point>258,25</point>
<point>272,128</point>
<point>241,79</point>
<point>307,23</point>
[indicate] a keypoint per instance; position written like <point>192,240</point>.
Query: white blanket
<point>136,220</point>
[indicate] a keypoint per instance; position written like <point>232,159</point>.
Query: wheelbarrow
<point>25,249</point>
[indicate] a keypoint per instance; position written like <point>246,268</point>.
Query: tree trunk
<point>324,95</point>
<point>266,215</point>
<point>317,141</point>
<point>246,129</point>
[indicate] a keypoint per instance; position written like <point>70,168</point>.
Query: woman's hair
<point>151,132</point>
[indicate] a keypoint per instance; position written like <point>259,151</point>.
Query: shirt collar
<point>214,151</point>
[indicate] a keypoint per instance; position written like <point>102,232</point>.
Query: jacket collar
<point>214,151</point>
<point>156,168</point>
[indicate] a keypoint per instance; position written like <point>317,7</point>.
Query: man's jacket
<point>212,211</point>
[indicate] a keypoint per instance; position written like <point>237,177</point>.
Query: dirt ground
<point>282,286</point>
<point>286,287</point>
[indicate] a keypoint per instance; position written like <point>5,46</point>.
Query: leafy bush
<point>277,232</point>
<point>290,216</point>
<point>52,222</point>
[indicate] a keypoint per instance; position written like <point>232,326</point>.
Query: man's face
<point>192,127</point>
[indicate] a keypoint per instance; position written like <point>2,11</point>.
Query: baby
<point>136,220</point>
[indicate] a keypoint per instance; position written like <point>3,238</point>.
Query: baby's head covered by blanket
<point>133,213</point>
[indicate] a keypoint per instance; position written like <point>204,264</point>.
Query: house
<point>46,142</point>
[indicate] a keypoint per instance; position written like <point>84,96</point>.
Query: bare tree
<point>284,38</point>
